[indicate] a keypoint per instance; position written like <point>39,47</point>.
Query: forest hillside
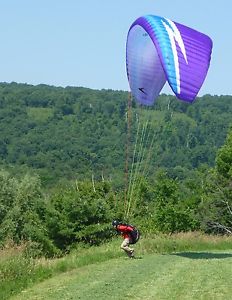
<point>75,132</point>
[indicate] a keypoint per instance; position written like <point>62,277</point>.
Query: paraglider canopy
<point>160,50</point>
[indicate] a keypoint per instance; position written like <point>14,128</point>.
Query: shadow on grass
<point>203,255</point>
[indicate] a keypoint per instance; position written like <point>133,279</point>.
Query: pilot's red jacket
<point>124,230</point>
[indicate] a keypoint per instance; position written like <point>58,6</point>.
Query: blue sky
<point>82,42</point>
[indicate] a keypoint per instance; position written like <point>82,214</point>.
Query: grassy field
<point>184,266</point>
<point>184,275</point>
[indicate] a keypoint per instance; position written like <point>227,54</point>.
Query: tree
<point>217,204</point>
<point>173,212</point>
<point>80,214</point>
<point>23,211</point>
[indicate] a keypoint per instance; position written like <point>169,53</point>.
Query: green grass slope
<point>182,275</point>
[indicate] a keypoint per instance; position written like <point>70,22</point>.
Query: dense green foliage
<point>62,153</point>
<point>62,133</point>
<point>74,132</point>
<point>54,224</point>
<point>217,197</point>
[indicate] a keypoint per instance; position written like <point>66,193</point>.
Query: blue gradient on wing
<point>161,36</point>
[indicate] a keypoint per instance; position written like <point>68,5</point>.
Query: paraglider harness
<point>134,233</point>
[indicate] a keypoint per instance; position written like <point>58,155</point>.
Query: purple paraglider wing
<point>160,50</point>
